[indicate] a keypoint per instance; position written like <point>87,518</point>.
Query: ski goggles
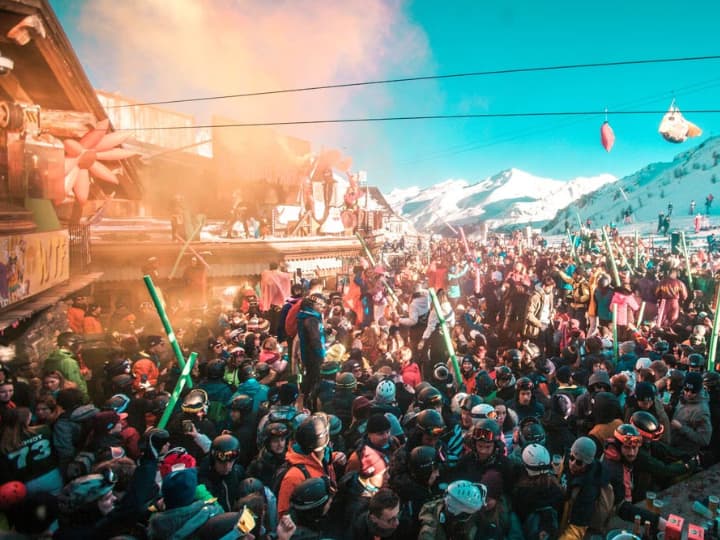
<point>633,441</point>
<point>225,456</point>
<point>483,435</point>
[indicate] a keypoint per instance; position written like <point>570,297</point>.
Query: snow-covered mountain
<point>511,197</point>
<point>515,197</point>
<point>692,175</point>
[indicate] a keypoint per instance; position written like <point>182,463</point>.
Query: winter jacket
<point>434,522</point>
<point>582,492</point>
<point>63,361</point>
<point>624,480</point>
<point>671,289</point>
<point>282,335</point>
<point>183,522</point>
<point>534,312</point>
<point>419,307</point>
<point>411,374</point>
<point>311,334</point>
<point>69,433</point>
<point>626,304</point>
<point>315,467</point>
<point>453,281</point>
<point>535,408</point>
<point>76,318</point>
<point>264,466</point>
<point>696,429</point>
<point>434,322</point>
<point>145,368</point>
<point>225,488</point>
<point>602,300</point>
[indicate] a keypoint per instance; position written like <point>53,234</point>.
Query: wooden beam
<point>66,123</point>
<point>14,89</point>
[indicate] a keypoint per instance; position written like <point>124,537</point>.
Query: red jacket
<point>411,374</point>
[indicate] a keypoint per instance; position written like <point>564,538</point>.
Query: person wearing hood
<point>71,426</point>
<point>311,339</point>
<point>308,457</point>
<point>598,382</point>
<point>691,425</point>
<point>645,398</point>
<point>183,515</point>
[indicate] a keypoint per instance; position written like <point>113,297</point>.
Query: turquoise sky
<point>478,35</point>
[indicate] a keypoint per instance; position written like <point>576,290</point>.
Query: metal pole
<point>166,324</point>
<point>446,335</point>
<point>183,249</point>
<point>184,375</point>
<point>714,335</point>
<point>687,261</point>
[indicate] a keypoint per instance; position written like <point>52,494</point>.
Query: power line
<point>416,117</point>
<point>427,78</point>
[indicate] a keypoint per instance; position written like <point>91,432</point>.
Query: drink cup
<point>650,497</point>
<point>713,501</point>
<point>658,506</point>
<point>556,463</point>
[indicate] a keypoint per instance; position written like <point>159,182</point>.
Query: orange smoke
<point>155,50</point>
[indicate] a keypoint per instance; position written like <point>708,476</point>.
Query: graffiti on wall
<point>32,263</point>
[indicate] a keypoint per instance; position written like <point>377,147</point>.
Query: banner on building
<point>32,263</point>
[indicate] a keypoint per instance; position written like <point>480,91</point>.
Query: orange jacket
<point>294,475</point>
<point>91,325</point>
<point>76,317</point>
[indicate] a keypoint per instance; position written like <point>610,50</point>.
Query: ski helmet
<point>242,403</point>
<point>470,401</point>
<point>463,499</point>
<point>647,425</point>
<point>195,402</point>
<point>118,403</point>
<point>429,398</point>
<point>536,459</point>
<point>215,369</point>
<point>385,391</point>
<point>456,402</point>
<point>311,494</point>
<point>628,435</point>
<point>711,381</point>
<point>483,410</point>
<point>430,422</point>
<point>423,460</point>
<point>486,430</point>
<point>12,493</point>
<point>225,448</point>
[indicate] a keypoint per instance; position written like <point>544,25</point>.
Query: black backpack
<point>282,471</point>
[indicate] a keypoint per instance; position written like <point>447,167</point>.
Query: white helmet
<point>456,402</point>
<point>481,412</point>
<point>463,497</point>
<point>536,459</point>
<point>385,391</point>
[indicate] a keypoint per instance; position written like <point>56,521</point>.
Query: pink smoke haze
<point>157,50</point>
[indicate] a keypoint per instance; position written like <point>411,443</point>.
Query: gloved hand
<point>155,439</point>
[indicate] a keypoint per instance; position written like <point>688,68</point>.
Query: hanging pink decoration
<point>607,136</point>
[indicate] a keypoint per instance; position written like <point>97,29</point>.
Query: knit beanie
<point>378,423</point>
<point>178,488</point>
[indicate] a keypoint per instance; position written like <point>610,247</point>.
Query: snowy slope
<point>692,175</point>
<point>511,197</point>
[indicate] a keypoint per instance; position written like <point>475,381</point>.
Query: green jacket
<point>433,520</point>
<point>64,362</point>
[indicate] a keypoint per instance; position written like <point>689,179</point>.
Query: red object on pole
<point>607,136</point>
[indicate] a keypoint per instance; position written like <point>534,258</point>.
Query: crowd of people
<point>496,390</point>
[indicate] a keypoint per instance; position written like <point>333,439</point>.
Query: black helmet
<point>422,385</point>
<point>313,434</point>
<point>531,433</point>
<point>262,370</point>
<point>122,383</point>
<point>696,360</point>
<point>647,425</point>
<point>159,403</point>
<point>225,448</point>
<point>215,369</point>
<point>486,430</point>
<point>628,435</point>
<point>311,494</point>
<point>196,401</point>
<point>251,485</point>
<point>524,384</point>
<point>69,339</point>
<point>345,380</point>
<point>661,346</point>
<point>470,401</point>
<point>117,366</point>
<point>430,422</point>
<point>711,380</point>
<point>423,459</point>
<point>242,403</point>
<point>429,398</point>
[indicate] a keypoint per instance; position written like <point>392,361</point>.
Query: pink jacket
<point>625,304</point>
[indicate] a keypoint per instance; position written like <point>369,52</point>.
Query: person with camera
<point>190,428</point>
